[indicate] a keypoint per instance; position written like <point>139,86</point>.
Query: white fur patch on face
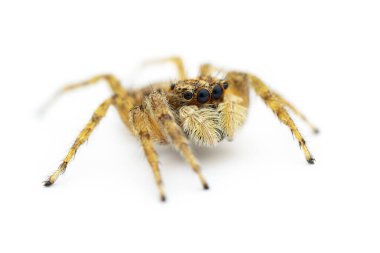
<point>201,125</point>
<point>232,115</point>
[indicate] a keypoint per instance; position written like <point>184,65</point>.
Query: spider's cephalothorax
<point>198,105</point>
<point>204,110</point>
<point>201,92</point>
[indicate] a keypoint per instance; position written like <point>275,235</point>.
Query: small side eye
<point>203,96</point>
<point>188,95</point>
<point>225,85</point>
<point>172,86</point>
<point>217,92</point>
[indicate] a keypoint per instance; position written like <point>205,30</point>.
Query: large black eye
<point>217,92</point>
<point>188,95</point>
<point>203,96</point>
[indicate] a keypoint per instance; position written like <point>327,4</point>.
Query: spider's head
<point>199,92</point>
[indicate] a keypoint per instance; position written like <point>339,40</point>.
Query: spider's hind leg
<point>111,80</point>
<point>177,61</point>
<point>83,136</point>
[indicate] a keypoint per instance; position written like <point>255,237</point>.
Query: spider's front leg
<point>158,109</point>
<point>142,129</point>
<point>239,85</point>
<point>276,103</point>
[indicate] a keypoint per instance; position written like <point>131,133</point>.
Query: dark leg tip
<point>316,131</point>
<point>47,183</point>
<point>206,187</point>
<point>163,198</point>
<point>311,160</point>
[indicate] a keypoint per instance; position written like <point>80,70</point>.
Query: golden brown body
<point>204,110</point>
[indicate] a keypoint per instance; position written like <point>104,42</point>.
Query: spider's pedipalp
<point>201,125</point>
<point>233,109</point>
<point>232,115</point>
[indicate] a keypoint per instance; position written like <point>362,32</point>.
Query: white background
<point>323,55</point>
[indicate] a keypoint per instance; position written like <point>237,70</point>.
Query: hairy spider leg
<point>140,126</point>
<point>296,112</point>
<point>83,136</point>
<point>177,61</point>
<point>208,69</point>
<point>278,107</point>
<point>275,102</point>
<point>111,80</point>
<point>158,109</point>
<point>123,105</point>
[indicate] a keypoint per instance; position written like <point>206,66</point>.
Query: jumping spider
<point>204,110</point>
